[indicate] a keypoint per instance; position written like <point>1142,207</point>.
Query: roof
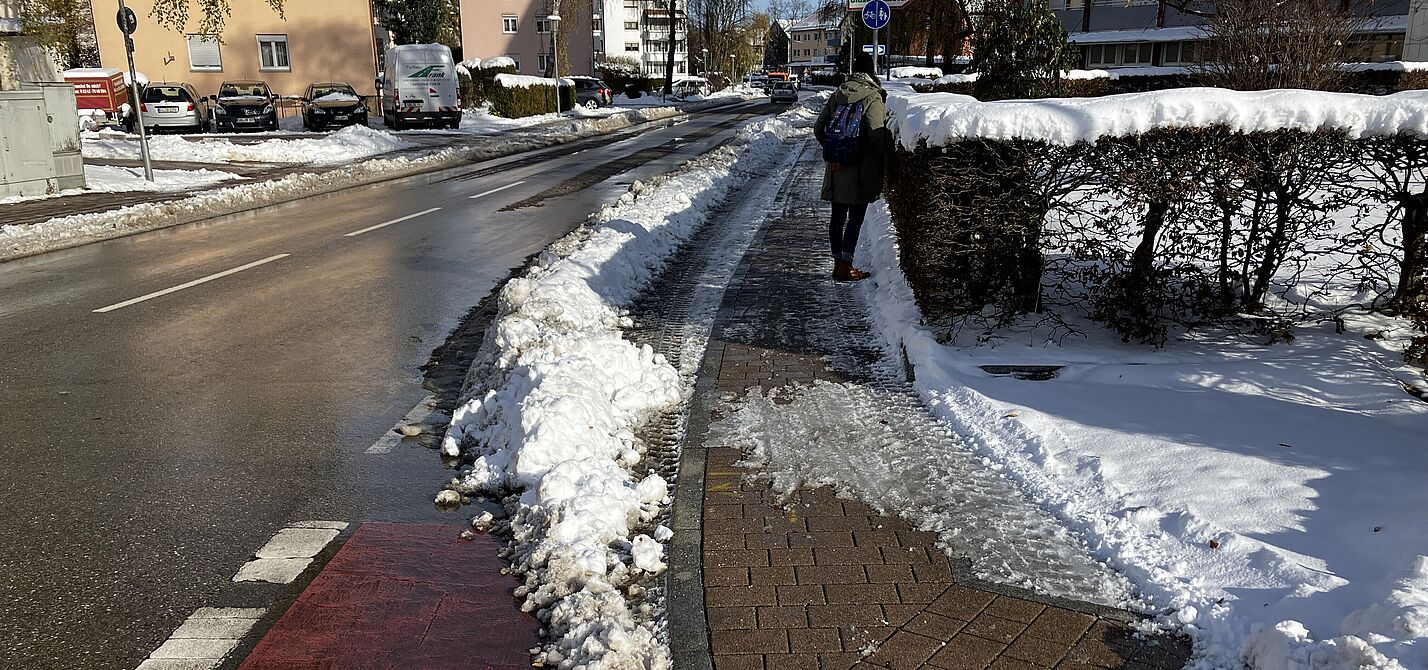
<point>813,22</point>
<point>93,72</point>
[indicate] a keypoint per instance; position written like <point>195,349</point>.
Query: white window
<point>204,54</point>
<point>544,62</point>
<point>510,24</point>
<point>543,26</point>
<point>1100,55</point>
<point>632,25</point>
<point>1138,54</point>
<point>273,53</point>
<point>632,46</point>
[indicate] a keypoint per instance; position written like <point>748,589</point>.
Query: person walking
<point>857,147</point>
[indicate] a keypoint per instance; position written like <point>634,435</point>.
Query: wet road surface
<point>172,399</point>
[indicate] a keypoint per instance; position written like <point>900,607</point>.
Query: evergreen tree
<point>1021,51</point>
<point>420,21</point>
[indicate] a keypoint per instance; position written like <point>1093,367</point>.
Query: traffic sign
<point>858,5</point>
<point>876,14</point>
<point>127,20</point>
<point>882,49</point>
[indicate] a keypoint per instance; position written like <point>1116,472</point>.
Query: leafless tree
<point>721,27</point>
<point>1260,45</point>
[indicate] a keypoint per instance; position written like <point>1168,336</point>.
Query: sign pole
<point>877,62</point>
<point>127,24</point>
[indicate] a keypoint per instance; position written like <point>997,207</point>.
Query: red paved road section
<point>409,596</point>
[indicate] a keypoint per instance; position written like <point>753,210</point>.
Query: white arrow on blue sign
<point>882,49</point>
<point>876,14</point>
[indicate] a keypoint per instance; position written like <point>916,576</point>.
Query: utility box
<point>39,140</point>
<point>63,128</point>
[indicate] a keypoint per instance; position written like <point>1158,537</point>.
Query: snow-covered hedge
<point>911,72</point>
<point>514,96</point>
<point>1366,78</point>
<point>1156,209</point>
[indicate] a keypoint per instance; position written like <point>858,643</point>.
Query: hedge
<point>514,102</point>
<point>1166,229</point>
<point>473,89</point>
<point>1368,82</point>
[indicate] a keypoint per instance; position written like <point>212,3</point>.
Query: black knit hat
<point>863,62</point>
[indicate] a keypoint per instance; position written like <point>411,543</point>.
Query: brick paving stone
<point>1015,609</point>
<point>960,602</point>
<point>890,574</point>
<point>839,661</point>
<point>875,538</point>
<point>865,638</point>
<point>832,616</point>
<point>759,641</point>
<point>792,556</point>
<point>815,640</point>
<point>920,593</point>
<point>1058,625</point>
<point>726,576</point>
<point>905,651</point>
<point>731,618</point>
<point>783,616</point>
<point>936,571</point>
<point>846,594</point>
<point>966,652</point>
<point>935,625</point>
<point>805,594</point>
<point>740,596</point>
<point>832,574</point>
<point>899,614</point>
<point>910,555</point>
<point>737,558</point>
<point>1043,653</point>
<point>994,628</point>
<point>791,662</point>
<point>766,540</point>
<point>725,541</point>
<point>1009,663</point>
<point>739,662</point>
<point>777,575</point>
<point>847,556</point>
<point>1097,653</point>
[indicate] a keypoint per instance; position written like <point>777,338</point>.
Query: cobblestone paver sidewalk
<point>815,581</point>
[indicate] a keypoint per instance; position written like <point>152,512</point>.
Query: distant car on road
<point>245,105</point>
<point>332,105</point>
<point>592,93</point>
<point>783,93</point>
<point>172,106</point>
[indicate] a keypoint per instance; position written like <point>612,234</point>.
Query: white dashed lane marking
<point>423,416</point>
<point>205,638</point>
<point>497,190</point>
<point>284,557</point>
<point>180,287</point>
<point>408,217</point>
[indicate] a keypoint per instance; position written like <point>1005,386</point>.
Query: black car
<point>245,105</point>
<point>591,93</point>
<point>332,105</point>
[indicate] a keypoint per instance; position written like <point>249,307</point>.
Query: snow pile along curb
<point>558,395</point>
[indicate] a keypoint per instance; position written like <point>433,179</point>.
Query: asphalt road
<point>150,446</point>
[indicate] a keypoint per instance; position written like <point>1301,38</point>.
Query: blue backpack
<point>841,134</point>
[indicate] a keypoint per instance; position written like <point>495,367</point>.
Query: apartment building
<point>1139,33</point>
<point>332,40</point>
<point>813,43</point>
<point>523,31</point>
<point>642,30</point>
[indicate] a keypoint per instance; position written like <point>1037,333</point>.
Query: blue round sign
<point>876,14</point>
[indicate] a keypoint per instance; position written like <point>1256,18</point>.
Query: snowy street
<point>178,397</point>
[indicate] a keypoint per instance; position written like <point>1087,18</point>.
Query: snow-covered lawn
<point>1268,500</point>
<point>559,395</point>
<point>483,122</point>
<point>341,146</point>
<point>111,179</point>
<point>657,99</point>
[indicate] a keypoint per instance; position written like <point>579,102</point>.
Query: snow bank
<point>942,118</point>
<point>565,394</point>
<point>1268,500</point>
<point>348,144</point>
<point>527,81</point>
<point>111,179</point>
<point>920,72</point>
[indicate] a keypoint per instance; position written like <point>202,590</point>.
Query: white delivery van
<point>418,87</point>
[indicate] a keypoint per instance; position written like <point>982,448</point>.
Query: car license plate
<point>247,120</point>
<point>339,117</point>
<point>168,110</point>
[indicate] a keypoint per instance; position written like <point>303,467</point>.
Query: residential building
<point>522,31</point>
<point>332,40</point>
<point>776,45</point>
<point>642,30</point>
<point>813,43</point>
<point>1139,33</point>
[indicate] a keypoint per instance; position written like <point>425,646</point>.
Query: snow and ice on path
<point>1269,499</point>
<point>348,144</point>
<point>901,460</point>
<point>560,394</point>
<point>112,179</point>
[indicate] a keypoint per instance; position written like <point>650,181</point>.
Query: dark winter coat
<point>862,182</point>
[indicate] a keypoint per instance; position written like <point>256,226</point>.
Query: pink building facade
<point>520,30</point>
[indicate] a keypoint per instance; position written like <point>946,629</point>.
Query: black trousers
<point>843,231</point>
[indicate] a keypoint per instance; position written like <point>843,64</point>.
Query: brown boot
<point>844,271</point>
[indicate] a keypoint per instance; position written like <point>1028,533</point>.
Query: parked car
<point>783,93</point>
<point>418,87</point>
<point>172,106</point>
<point>332,105</point>
<point>685,87</point>
<point>245,105</point>
<point>592,93</point>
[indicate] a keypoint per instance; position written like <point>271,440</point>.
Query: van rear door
<point>425,83</point>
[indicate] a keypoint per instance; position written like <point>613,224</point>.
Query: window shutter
<point>203,53</point>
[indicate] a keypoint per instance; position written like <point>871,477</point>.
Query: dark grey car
<point>245,105</point>
<point>592,93</point>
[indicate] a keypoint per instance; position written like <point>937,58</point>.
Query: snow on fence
<point>1156,211</point>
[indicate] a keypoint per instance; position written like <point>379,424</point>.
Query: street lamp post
<point>554,20</point>
<point>704,63</point>
<point>733,69</point>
